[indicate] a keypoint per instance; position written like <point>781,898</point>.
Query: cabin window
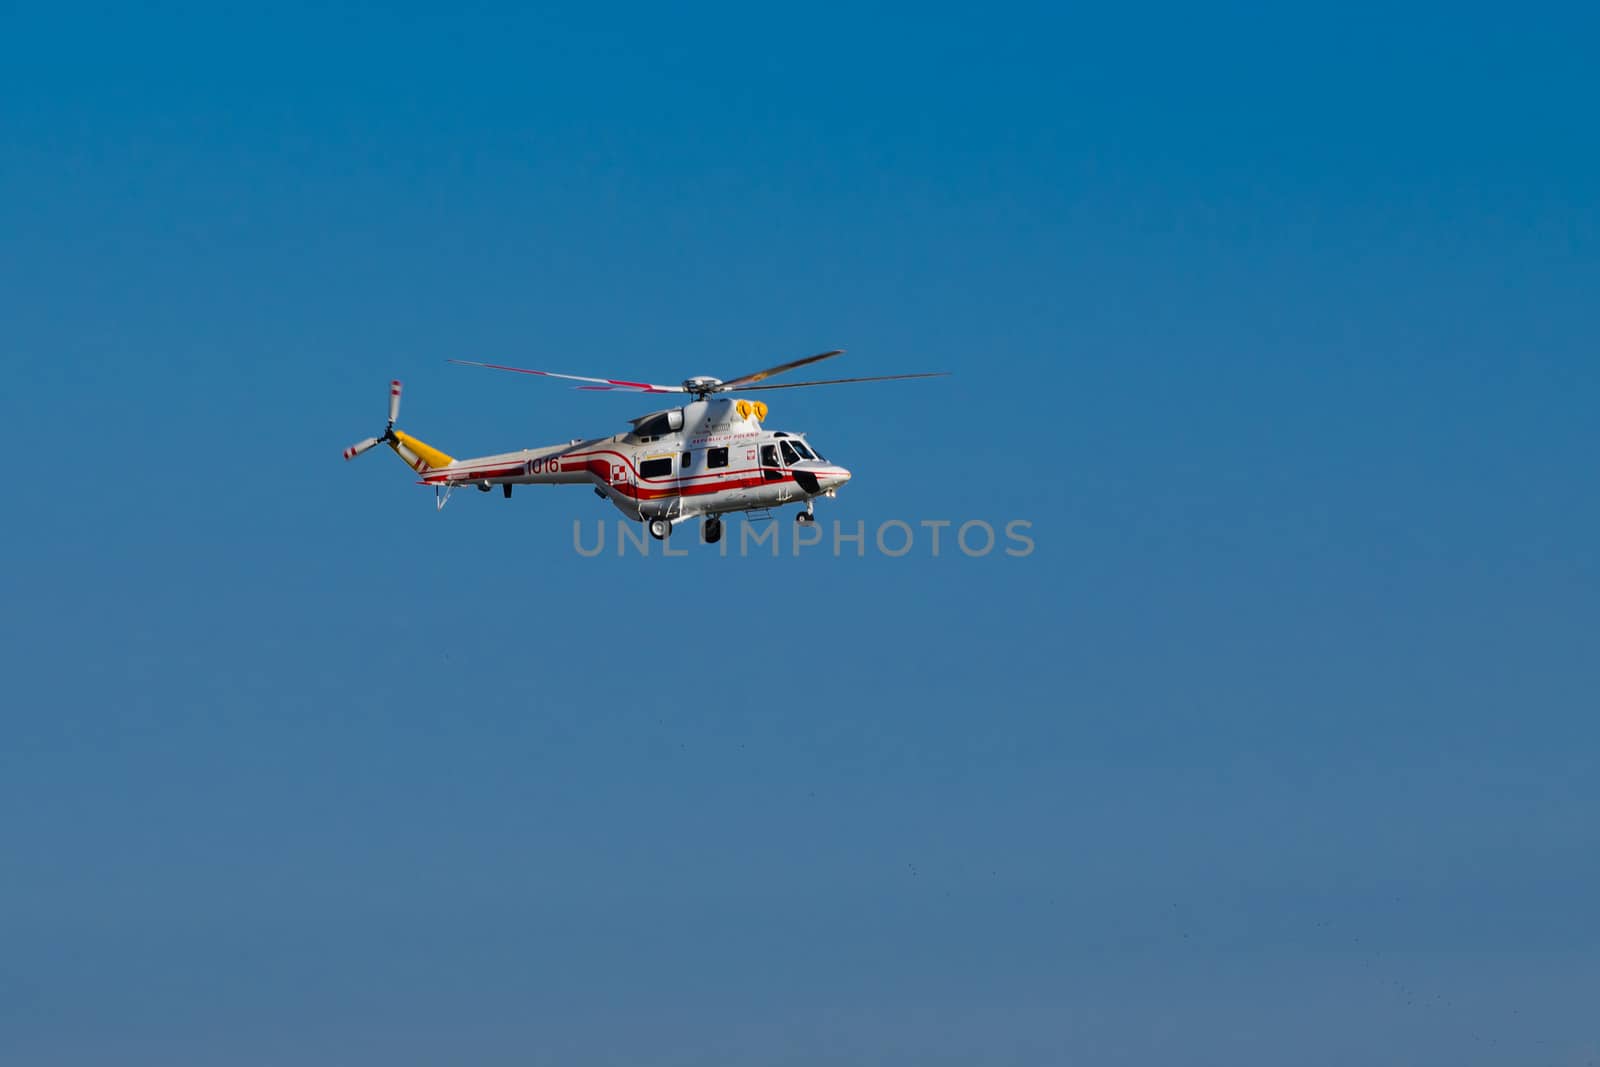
<point>789,456</point>
<point>716,457</point>
<point>656,468</point>
<point>770,470</point>
<point>683,462</point>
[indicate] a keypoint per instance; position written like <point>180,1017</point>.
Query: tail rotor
<point>388,431</point>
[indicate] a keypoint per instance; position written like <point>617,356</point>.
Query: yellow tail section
<point>419,455</point>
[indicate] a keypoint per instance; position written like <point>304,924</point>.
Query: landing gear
<point>711,531</point>
<point>806,516</point>
<point>660,528</point>
<point>506,488</point>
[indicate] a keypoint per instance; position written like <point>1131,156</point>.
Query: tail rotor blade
<point>359,447</point>
<point>394,401</point>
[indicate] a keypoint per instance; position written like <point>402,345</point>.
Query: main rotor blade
<point>846,381</point>
<point>394,401</point>
<point>597,384</point>
<point>750,379</point>
<point>359,447</point>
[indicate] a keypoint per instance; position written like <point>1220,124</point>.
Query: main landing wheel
<point>711,532</point>
<point>660,528</point>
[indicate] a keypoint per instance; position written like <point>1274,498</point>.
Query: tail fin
<point>419,455</point>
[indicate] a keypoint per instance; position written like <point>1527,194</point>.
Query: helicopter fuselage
<point>707,458</point>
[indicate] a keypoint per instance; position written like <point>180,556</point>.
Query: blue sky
<point>1279,327</point>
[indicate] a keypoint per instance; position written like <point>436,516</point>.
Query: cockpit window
<point>800,447</point>
<point>817,455</point>
<point>789,456</point>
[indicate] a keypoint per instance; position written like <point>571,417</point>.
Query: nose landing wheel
<point>807,515</point>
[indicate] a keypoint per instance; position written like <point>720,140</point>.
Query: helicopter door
<point>771,469</point>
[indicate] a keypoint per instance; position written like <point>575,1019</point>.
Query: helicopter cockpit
<point>785,451</point>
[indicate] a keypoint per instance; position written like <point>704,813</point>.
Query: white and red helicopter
<point>705,459</point>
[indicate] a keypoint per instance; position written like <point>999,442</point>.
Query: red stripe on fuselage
<point>599,469</point>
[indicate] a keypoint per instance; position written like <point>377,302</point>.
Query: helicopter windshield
<point>811,452</point>
<point>790,458</point>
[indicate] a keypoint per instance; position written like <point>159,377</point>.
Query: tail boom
<point>418,455</point>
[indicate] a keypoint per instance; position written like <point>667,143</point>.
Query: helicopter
<point>705,459</point>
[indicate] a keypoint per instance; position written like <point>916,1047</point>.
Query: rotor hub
<point>701,385</point>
